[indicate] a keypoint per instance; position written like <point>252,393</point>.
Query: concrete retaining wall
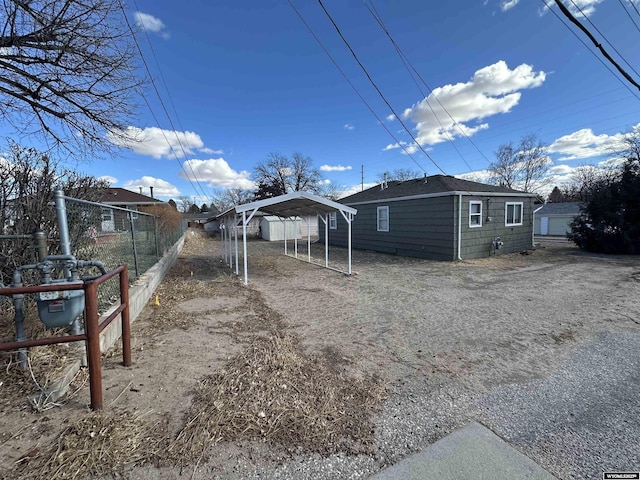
<point>139,294</point>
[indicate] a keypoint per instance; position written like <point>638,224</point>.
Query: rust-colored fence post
<point>126,323</point>
<point>92,331</point>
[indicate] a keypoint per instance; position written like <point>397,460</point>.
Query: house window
<point>333,221</point>
<point>513,214</point>
<point>383,219</point>
<point>475,214</point>
<point>134,213</point>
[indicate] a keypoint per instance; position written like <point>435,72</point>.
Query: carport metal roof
<point>285,206</point>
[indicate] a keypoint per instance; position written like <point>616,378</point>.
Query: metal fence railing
<point>109,234</point>
<point>116,235</point>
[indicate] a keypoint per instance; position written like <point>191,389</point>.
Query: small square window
<point>333,221</point>
<point>383,219</point>
<point>513,214</point>
<point>475,214</point>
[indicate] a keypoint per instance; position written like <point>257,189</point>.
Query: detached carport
<point>291,205</point>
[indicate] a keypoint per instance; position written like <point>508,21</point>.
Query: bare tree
<point>522,167</point>
<point>400,174</point>
<point>66,71</point>
<point>224,199</point>
<point>332,191</point>
<point>28,179</point>
<point>279,175</point>
<point>184,203</point>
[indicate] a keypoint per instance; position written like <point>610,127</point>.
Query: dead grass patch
<point>275,393</point>
<point>100,444</point>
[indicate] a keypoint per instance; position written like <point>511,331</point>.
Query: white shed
<point>272,228</point>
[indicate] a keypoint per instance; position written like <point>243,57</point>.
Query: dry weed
<point>100,444</point>
<point>275,393</point>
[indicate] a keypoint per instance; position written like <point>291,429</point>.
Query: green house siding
<point>417,228</point>
<point>477,241</point>
<point>428,228</point>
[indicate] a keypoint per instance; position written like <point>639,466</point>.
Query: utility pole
<point>362,177</point>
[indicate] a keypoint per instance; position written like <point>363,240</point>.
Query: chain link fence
<point>109,234</point>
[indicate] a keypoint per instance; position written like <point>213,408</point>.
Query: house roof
<point>122,196</point>
<point>435,185</point>
<point>560,208</point>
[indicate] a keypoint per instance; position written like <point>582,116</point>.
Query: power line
<point>605,37</point>
<point>155,87</point>
<point>573,20</point>
<point>164,83</point>
<point>353,87</point>
<point>353,53</point>
<point>407,63</point>
<point>629,15</point>
<point>633,5</point>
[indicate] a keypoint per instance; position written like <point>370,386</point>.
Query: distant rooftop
<point>122,196</point>
<point>560,208</point>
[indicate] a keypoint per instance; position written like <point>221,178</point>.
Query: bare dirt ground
<point>421,344</point>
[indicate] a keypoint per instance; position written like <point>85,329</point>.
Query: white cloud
<point>161,188</point>
<point>334,168</point>
<point>156,142</point>
<point>109,179</point>
<point>211,151</point>
<point>508,5</point>
<point>480,176</point>
<point>356,188</point>
<point>216,172</point>
<point>391,118</point>
<point>585,144</point>
<point>150,23</point>
<point>577,8</point>
<point>561,170</point>
<point>348,126</point>
<point>492,90</point>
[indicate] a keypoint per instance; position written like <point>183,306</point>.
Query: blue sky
<point>245,78</point>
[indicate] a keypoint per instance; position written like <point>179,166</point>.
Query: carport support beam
<point>326,240</point>
<point>349,222</point>
<point>244,246</point>
<point>235,230</point>
<point>308,240</point>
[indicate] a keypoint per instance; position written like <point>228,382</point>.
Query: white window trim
<point>109,211</point>
<point>506,210</point>
<point>333,221</point>
<point>378,210</point>
<point>471,214</point>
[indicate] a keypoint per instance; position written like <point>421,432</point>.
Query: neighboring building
<point>555,218</point>
<point>197,220</point>
<point>117,220</point>
<point>438,217</point>
<point>274,228</point>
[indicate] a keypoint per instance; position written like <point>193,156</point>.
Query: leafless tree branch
<point>66,71</point>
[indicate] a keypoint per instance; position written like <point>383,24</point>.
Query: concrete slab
<point>471,452</point>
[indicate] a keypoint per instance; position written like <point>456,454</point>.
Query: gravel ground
<point>541,348</point>
<point>582,420</point>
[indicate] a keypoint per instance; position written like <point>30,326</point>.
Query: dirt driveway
<point>447,341</point>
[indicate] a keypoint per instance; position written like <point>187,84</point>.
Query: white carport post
<point>244,246</point>
<point>308,240</point>
<point>229,237</point>
<point>222,239</point>
<point>349,218</point>
<point>326,240</point>
<point>235,229</point>
<point>285,234</point>
<point>295,236</point>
